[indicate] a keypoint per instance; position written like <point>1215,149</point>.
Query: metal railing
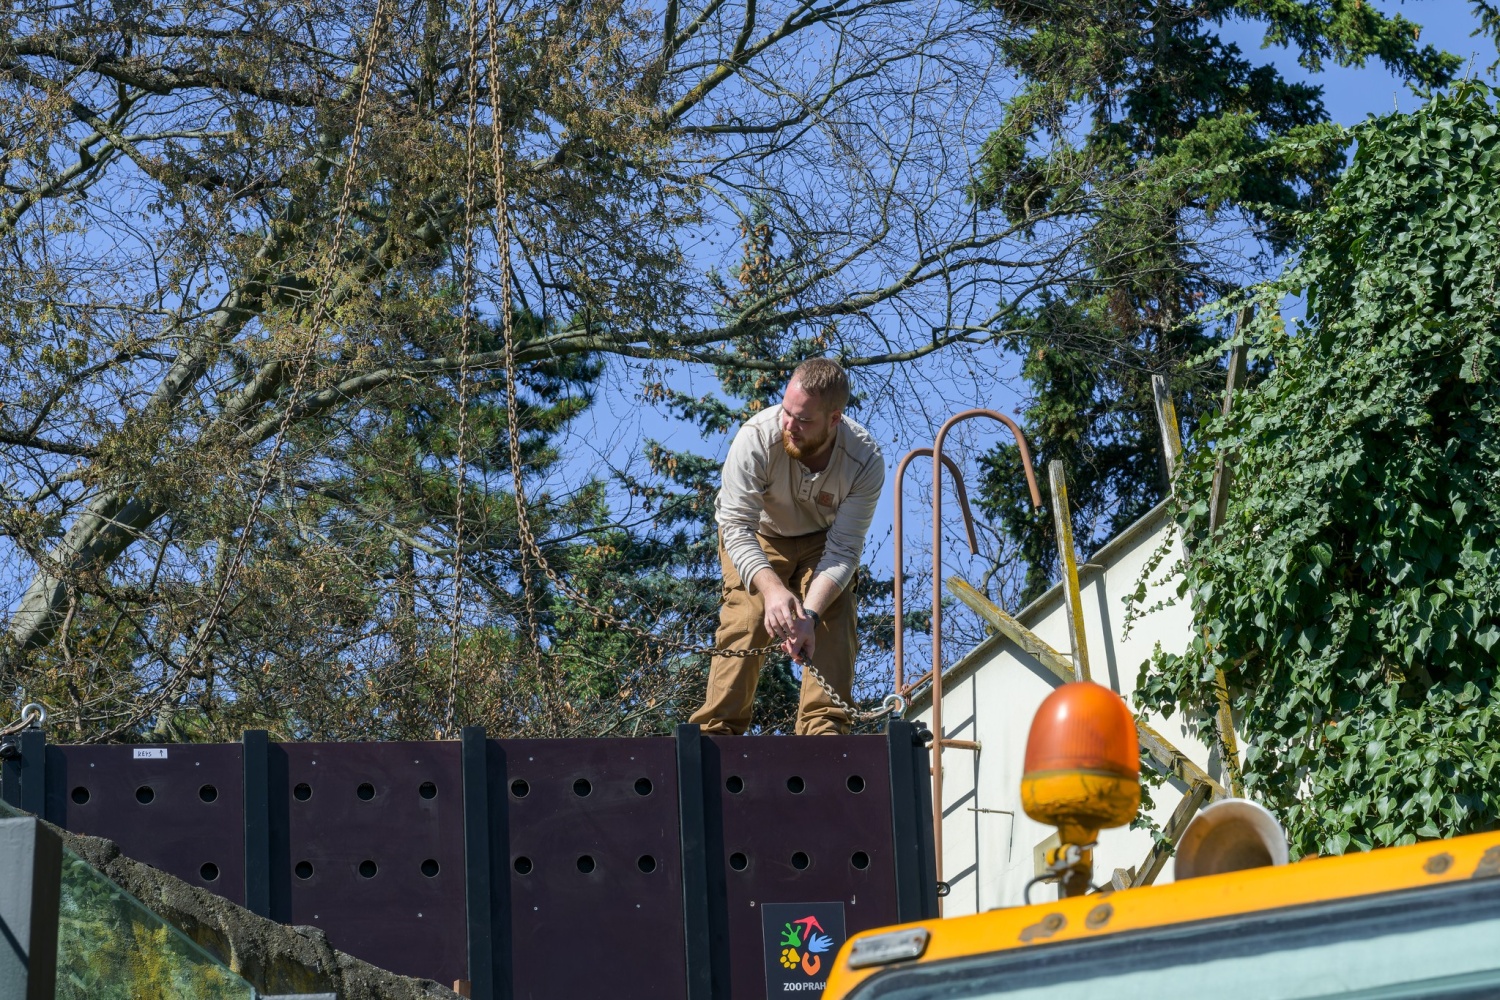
<point>936,674</point>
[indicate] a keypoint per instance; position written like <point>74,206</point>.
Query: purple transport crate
<point>631,869</point>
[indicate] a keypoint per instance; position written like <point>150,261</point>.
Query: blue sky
<point>1352,94</point>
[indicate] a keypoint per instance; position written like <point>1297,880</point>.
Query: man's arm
<point>841,552</point>
<point>741,488</point>
<point>742,484</point>
<point>846,535</point>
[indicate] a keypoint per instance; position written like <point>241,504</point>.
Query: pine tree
<point>1194,155</point>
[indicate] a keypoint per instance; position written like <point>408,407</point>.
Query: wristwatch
<point>817,618</point>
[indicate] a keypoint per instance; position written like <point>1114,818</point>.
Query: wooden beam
<point>1174,762</point>
<point>1156,858</point>
<point>1218,503</point>
<point>1062,523</point>
<point>1218,506</point>
<point>1166,422</point>
<point>1060,665</point>
<point>1167,757</point>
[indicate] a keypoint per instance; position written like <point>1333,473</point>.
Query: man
<point>797,495</point>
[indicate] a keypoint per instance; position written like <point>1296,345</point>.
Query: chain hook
<point>33,717</point>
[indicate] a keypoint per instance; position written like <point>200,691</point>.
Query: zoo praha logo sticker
<point>807,934</point>
<point>801,942</point>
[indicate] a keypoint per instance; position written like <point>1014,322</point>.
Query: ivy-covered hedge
<point>1353,594</point>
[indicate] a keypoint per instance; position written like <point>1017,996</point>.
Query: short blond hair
<point>824,378</point>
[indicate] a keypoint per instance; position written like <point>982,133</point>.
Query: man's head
<point>813,404</point>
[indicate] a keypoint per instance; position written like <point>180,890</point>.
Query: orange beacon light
<point>1082,773</point>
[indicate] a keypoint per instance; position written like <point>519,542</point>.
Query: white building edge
<point>989,696</point>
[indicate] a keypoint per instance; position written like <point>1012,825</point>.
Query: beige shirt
<point>765,490</point>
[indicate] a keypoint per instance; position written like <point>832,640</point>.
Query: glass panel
<point>110,947</point>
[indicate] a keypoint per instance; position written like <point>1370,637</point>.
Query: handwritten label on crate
<point>146,753</point>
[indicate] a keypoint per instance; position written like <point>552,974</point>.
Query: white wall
<point>991,694</point>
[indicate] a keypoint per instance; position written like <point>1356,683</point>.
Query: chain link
<point>465,323</point>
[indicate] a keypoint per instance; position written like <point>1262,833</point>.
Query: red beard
<point>809,446</point>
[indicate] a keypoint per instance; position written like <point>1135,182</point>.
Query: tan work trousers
<point>732,680</point>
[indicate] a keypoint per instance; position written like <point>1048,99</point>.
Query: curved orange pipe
<point>963,500</point>
<point>937,606</point>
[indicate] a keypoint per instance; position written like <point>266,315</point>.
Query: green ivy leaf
<point>1353,590</point>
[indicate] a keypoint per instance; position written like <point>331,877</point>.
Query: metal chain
<point>529,548</point>
<point>507,326</point>
<point>531,551</point>
<point>464,323</point>
<point>304,358</point>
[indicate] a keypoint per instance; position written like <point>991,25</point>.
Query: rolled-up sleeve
<point>846,536</point>
<point>741,491</point>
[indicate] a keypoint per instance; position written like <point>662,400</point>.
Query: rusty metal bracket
<point>937,599</point>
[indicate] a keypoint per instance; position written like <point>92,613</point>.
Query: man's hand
<point>783,609</point>
<point>799,645</point>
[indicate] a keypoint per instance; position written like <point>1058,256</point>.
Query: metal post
<point>256,761</point>
<point>693,833</point>
<point>10,771</point>
<point>30,878</point>
<point>907,824</point>
<point>486,877</point>
<point>1062,522</point>
<point>34,771</point>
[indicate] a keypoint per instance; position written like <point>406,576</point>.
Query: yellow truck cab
<point>1416,921</point>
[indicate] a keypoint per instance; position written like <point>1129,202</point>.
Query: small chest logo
<point>825,499</point>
